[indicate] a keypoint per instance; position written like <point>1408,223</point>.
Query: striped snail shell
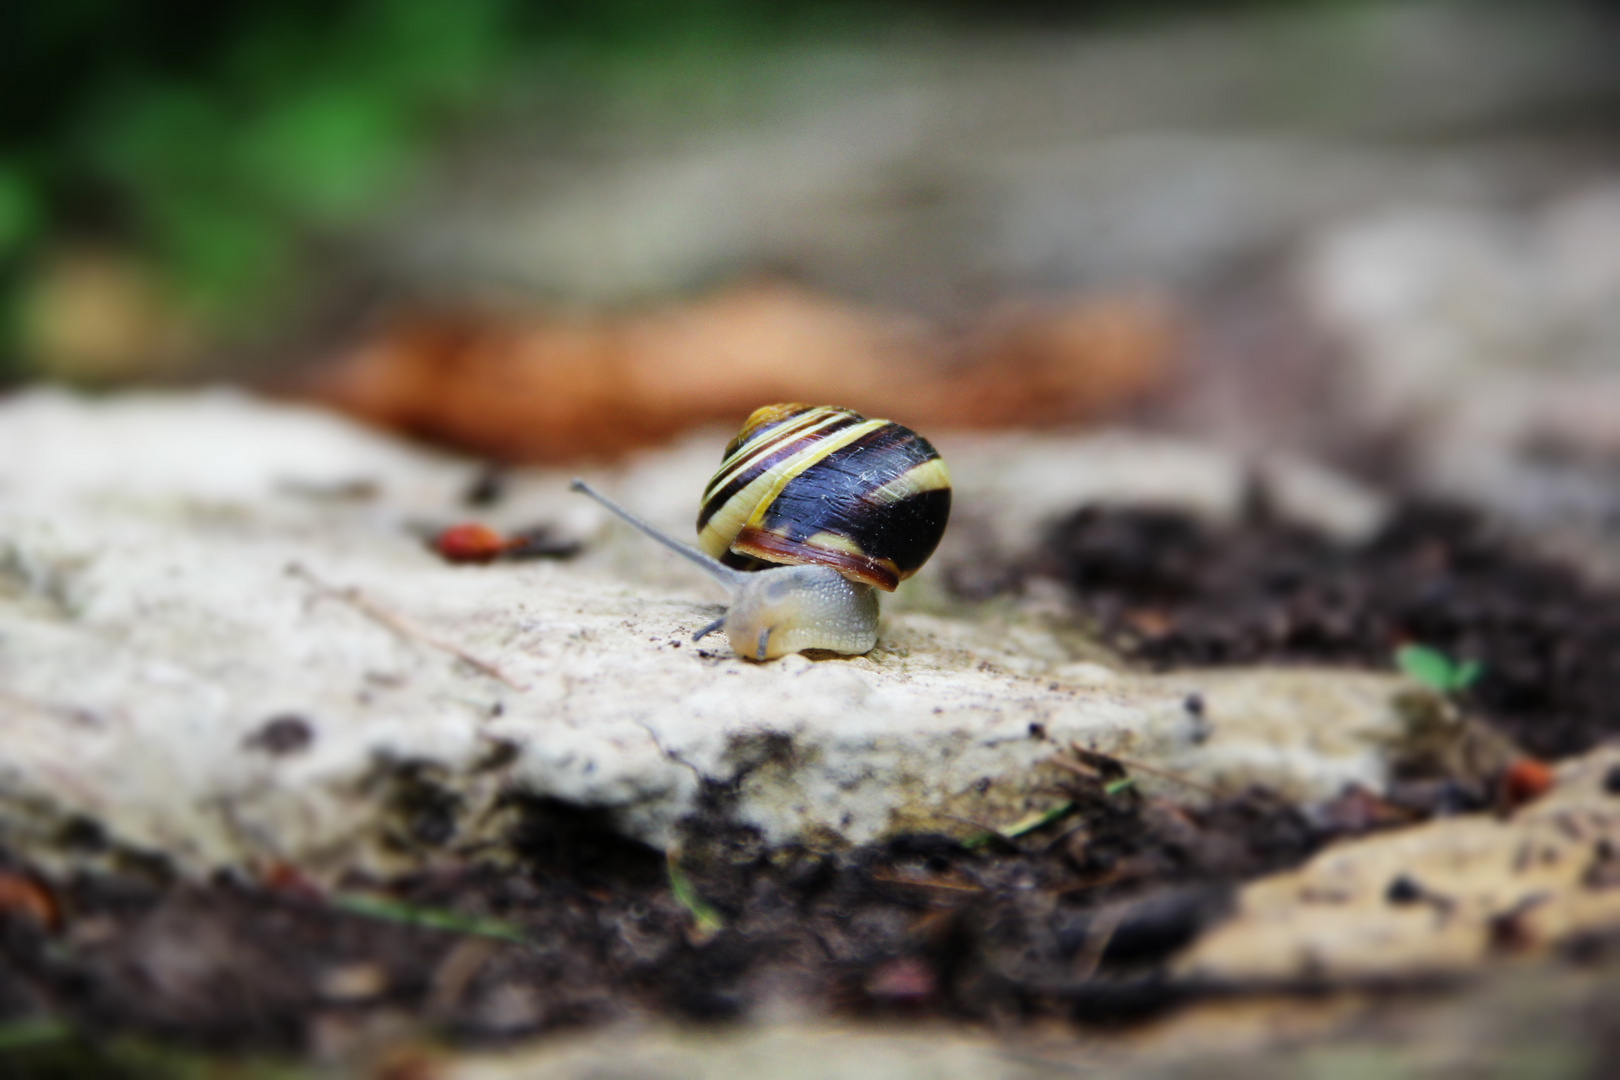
<point>807,484</point>
<point>813,508</point>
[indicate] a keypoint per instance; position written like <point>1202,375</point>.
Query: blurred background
<point>1374,231</point>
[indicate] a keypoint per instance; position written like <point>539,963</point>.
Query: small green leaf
<point>1428,666</point>
<point>1022,827</point>
<point>1436,670</point>
<point>707,918</point>
<point>375,907</point>
<point>1037,820</point>
<point>1466,674</point>
<point>1114,787</point>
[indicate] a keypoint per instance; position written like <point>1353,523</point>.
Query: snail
<point>813,508</point>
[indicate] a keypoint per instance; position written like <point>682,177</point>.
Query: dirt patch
<point>1173,591</point>
<point>576,926</point>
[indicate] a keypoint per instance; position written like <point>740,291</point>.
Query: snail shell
<point>818,485</point>
<point>812,509</point>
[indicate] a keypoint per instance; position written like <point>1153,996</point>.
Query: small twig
<point>948,886</point>
<point>1079,768</point>
<point>987,834</point>
<point>1022,827</point>
<point>1111,877</point>
<point>1082,769</point>
<point>1098,936</point>
<point>455,973</point>
<point>401,625</point>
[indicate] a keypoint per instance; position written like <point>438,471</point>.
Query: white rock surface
<point>177,571</point>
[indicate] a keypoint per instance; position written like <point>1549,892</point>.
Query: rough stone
<point>1435,899</point>
<point>182,575</point>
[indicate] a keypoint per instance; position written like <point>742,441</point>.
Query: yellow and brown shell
<point>817,484</point>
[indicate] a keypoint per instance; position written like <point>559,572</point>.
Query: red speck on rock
<point>470,542</point>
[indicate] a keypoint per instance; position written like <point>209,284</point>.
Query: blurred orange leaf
<point>557,389</point>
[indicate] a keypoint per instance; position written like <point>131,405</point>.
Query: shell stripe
<point>747,462</point>
<point>909,531</point>
<point>735,498</point>
<point>930,475</point>
<point>823,449</point>
<point>767,438</point>
<point>749,495</point>
<point>770,547</point>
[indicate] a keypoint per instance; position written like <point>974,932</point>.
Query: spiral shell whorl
<point>817,484</point>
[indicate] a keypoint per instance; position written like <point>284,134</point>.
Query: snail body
<point>813,508</point>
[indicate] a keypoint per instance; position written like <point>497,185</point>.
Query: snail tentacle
<point>725,575</point>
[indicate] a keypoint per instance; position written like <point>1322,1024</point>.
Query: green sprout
<point>706,918</point>
<point>1022,827</point>
<point>1436,670</point>
<point>376,907</point>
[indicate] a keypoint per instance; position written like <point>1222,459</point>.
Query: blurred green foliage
<point>219,141</point>
<point>213,137</point>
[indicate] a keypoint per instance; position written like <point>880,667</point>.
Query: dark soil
<point>1071,921</point>
<point>1173,591</point>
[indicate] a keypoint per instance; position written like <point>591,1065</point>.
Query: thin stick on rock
<point>1099,935</point>
<point>1128,763</point>
<point>919,883</point>
<point>401,625</point>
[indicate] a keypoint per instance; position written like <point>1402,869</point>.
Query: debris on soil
<point>576,926</point>
<point>1174,591</point>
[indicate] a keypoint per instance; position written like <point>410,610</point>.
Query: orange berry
<point>469,543</point>
<point>1525,781</point>
<point>24,895</point>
